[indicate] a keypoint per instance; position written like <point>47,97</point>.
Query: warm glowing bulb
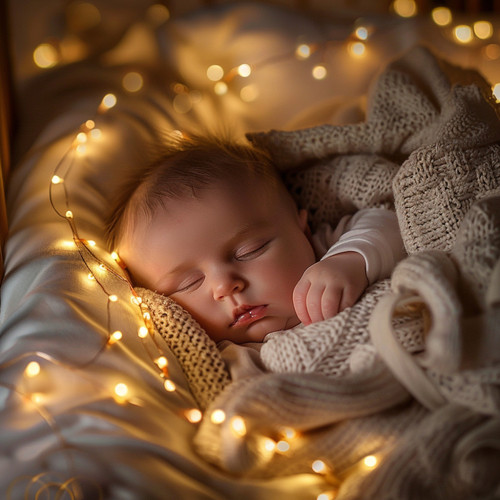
<point>37,398</point>
<point>193,415</point>
<point>303,51</point>
<point>238,426</point>
<point>282,446</point>
<point>218,416</point>
<point>45,56</point>
<point>121,390</point>
<point>405,8</point>
<point>496,91</point>
<point>318,466</point>
<point>32,369</point>
<point>143,332</point>
<point>108,101</point>
<point>161,362</point>
<point>370,461</point>
<point>114,255</point>
<point>169,385</point>
<point>81,149</point>
<point>81,137</point>
<point>319,72</point>
<point>357,49</point>
<point>220,88</point>
<point>135,299</point>
<point>269,444</point>
<point>102,267</point>
<point>441,16</point>
<point>133,81</point>
<point>289,433</point>
<point>96,133</point>
<point>215,72</point>
<point>244,70</point>
<point>330,495</point>
<point>113,298</point>
<point>90,124</point>
<point>158,14</point>
<point>91,243</point>
<point>249,93</point>
<point>463,33</point>
<point>483,29</point>
<point>361,32</point>
<point>90,276</point>
<point>69,214</point>
<point>492,51</point>
<point>115,337</point>
<point>56,179</point>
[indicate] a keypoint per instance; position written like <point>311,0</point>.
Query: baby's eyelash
<point>253,253</point>
<point>188,287</point>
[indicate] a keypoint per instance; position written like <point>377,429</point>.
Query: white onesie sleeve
<point>372,232</point>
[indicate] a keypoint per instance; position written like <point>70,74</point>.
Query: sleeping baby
<point>211,225</point>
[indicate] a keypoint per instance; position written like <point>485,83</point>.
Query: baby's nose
<point>227,286</point>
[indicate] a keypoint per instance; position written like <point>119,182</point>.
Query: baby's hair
<point>184,167</point>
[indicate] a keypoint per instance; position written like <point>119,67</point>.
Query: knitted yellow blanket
<point>411,373</point>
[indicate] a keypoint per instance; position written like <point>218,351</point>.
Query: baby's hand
<point>329,286</point>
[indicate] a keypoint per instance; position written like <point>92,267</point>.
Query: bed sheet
<point>83,413</point>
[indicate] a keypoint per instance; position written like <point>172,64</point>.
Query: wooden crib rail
<point>6,99</point>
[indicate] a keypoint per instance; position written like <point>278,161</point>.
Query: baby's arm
<point>364,248</point>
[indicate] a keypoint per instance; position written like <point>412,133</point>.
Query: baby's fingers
<point>331,302</point>
<point>300,301</point>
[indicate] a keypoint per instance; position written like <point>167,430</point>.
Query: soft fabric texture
<point>390,376</point>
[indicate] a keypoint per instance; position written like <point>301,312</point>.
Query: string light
<point>303,51</point>
<point>319,72</point>
<point>193,415</point>
<point>215,73</point>
<point>115,337</point>
<point>108,102</point>
<point>370,461</point>
<point>244,70</point>
<point>269,444</point>
<point>357,49</point>
<point>483,29</point>
<point>161,362</point>
<point>32,369</point>
<point>169,385</point>
<point>463,33</point>
<point>238,426</point>
<point>45,56</point>
<point>133,81</point>
<point>143,332</point>
<point>56,179</point>
<point>283,446</point>
<point>318,466</point>
<point>441,16</point>
<point>218,416</point>
<point>405,8</point>
<point>121,390</point>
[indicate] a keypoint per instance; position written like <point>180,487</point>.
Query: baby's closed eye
<point>251,251</point>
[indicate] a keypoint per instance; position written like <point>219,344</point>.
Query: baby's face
<point>230,257</point>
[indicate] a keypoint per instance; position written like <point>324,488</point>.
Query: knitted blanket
<point>410,374</point>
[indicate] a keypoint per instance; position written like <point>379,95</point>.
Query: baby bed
<point>92,404</point>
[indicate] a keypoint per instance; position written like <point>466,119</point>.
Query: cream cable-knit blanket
<point>412,372</point>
